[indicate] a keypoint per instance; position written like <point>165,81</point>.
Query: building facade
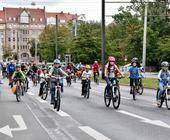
<point>20,25</point>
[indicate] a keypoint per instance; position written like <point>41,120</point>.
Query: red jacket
<point>96,67</point>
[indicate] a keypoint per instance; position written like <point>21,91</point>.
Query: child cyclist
<point>133,74</point>
<point>86,75</point>
<point>163,76</point>
<point>18,74</point>
<point>111,72</point>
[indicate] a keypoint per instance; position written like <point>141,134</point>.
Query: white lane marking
<point>61,113</point>
<point>93,133</point>
<point>41,100</point>
<point>46,130</point>
<point>30,93</point>
<point>126,98</point>
<point>146,120</point>
<point>8,131</point>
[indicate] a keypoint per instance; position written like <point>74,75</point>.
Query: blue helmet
<point>56,61</point>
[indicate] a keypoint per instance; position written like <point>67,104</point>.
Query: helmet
<point>95,61</point>
<point>111,58</point>
<point>164,64</point>
<point>135,59</point>
<point>87,66</point>
<point>56,61</point>
<point>18,65</point>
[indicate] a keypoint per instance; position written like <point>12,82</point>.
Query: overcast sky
<point>91,8</point>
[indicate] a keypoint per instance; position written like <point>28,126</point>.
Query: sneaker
<point>158,102</point>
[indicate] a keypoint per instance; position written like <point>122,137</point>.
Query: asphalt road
<point>82,119</point>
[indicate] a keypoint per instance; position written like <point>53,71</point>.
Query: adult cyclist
<point>96,69</point>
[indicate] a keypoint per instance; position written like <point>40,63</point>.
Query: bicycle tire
<point>167,101</point>
<point>18,95</point>
<point>106,99</point>
<point>162,99</point>
<point>117,98</point>
<point>45,93</point>
<point>88,92</point>
<point>57,101</point>
<point>133,93</point>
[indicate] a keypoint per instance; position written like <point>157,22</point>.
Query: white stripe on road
<point>61,113</point>
<point>30,93</point>
<point>146,120</point>
<point>93,133</point>
<point>41,100</point>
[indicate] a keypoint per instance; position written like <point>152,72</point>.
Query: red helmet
<point>111,59</point>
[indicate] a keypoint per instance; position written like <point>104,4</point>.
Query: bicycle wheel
<point>18,94</point>
<point>57,101</point>
<point>116,97</point>
<point>162,99</point>
<point>134,93</point>
<point>167,100</point>
<point>88,92</point>
<point>107,100</point>
<point>140,88</point>
<point>44,93</point>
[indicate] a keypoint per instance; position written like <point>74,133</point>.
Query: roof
<point>12,15</point>
<point>62,16</point>
<point>2,17</point>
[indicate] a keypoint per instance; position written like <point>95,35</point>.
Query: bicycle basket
<point>14,89</point>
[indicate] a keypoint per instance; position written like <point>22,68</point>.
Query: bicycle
<point>165,97</point>
<point>68,79</point>
<point>134,90</point>
<point>86,87</point>
<point>114,94</point>
<point>19,89</point>
<point>96,78</point>
<point>57,95</point>
<point>45,89</point>
<point>140,86</point>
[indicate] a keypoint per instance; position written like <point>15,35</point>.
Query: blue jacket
<point>134,73</point>
<point>11,68</point>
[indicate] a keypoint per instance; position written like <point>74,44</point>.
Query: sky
<point>91,8</point>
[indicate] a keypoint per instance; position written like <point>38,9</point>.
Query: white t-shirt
<point>86,74</point>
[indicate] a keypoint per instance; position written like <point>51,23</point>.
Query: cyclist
<point>111,72</point>
<point>164,73</point>
<point>96,69</point>
<point>10,70</point>
<point>44,74</point>
<point>18,75</point>
<point>56,71</point>
<point>133,74</point>
<point>86,75</point>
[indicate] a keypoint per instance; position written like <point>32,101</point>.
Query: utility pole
<point>103,45</point>
<point>145,35</point>
<point>35,50</point>
<point>56,37</point>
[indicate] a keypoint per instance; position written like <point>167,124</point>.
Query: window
<point>0,19</point>
<point>14,47</point>
<point>14,18</point>
<point>33,19</point>
<point>9,39</point>
<point>41,19</point>
<point>14,39</point>
<point>13,31</point>
<point>24,17</point>
<point>9,18</point>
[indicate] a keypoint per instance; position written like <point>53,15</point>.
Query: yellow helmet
<point>88,67</point>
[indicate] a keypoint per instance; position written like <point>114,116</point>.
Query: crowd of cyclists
<point>50,75</point>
